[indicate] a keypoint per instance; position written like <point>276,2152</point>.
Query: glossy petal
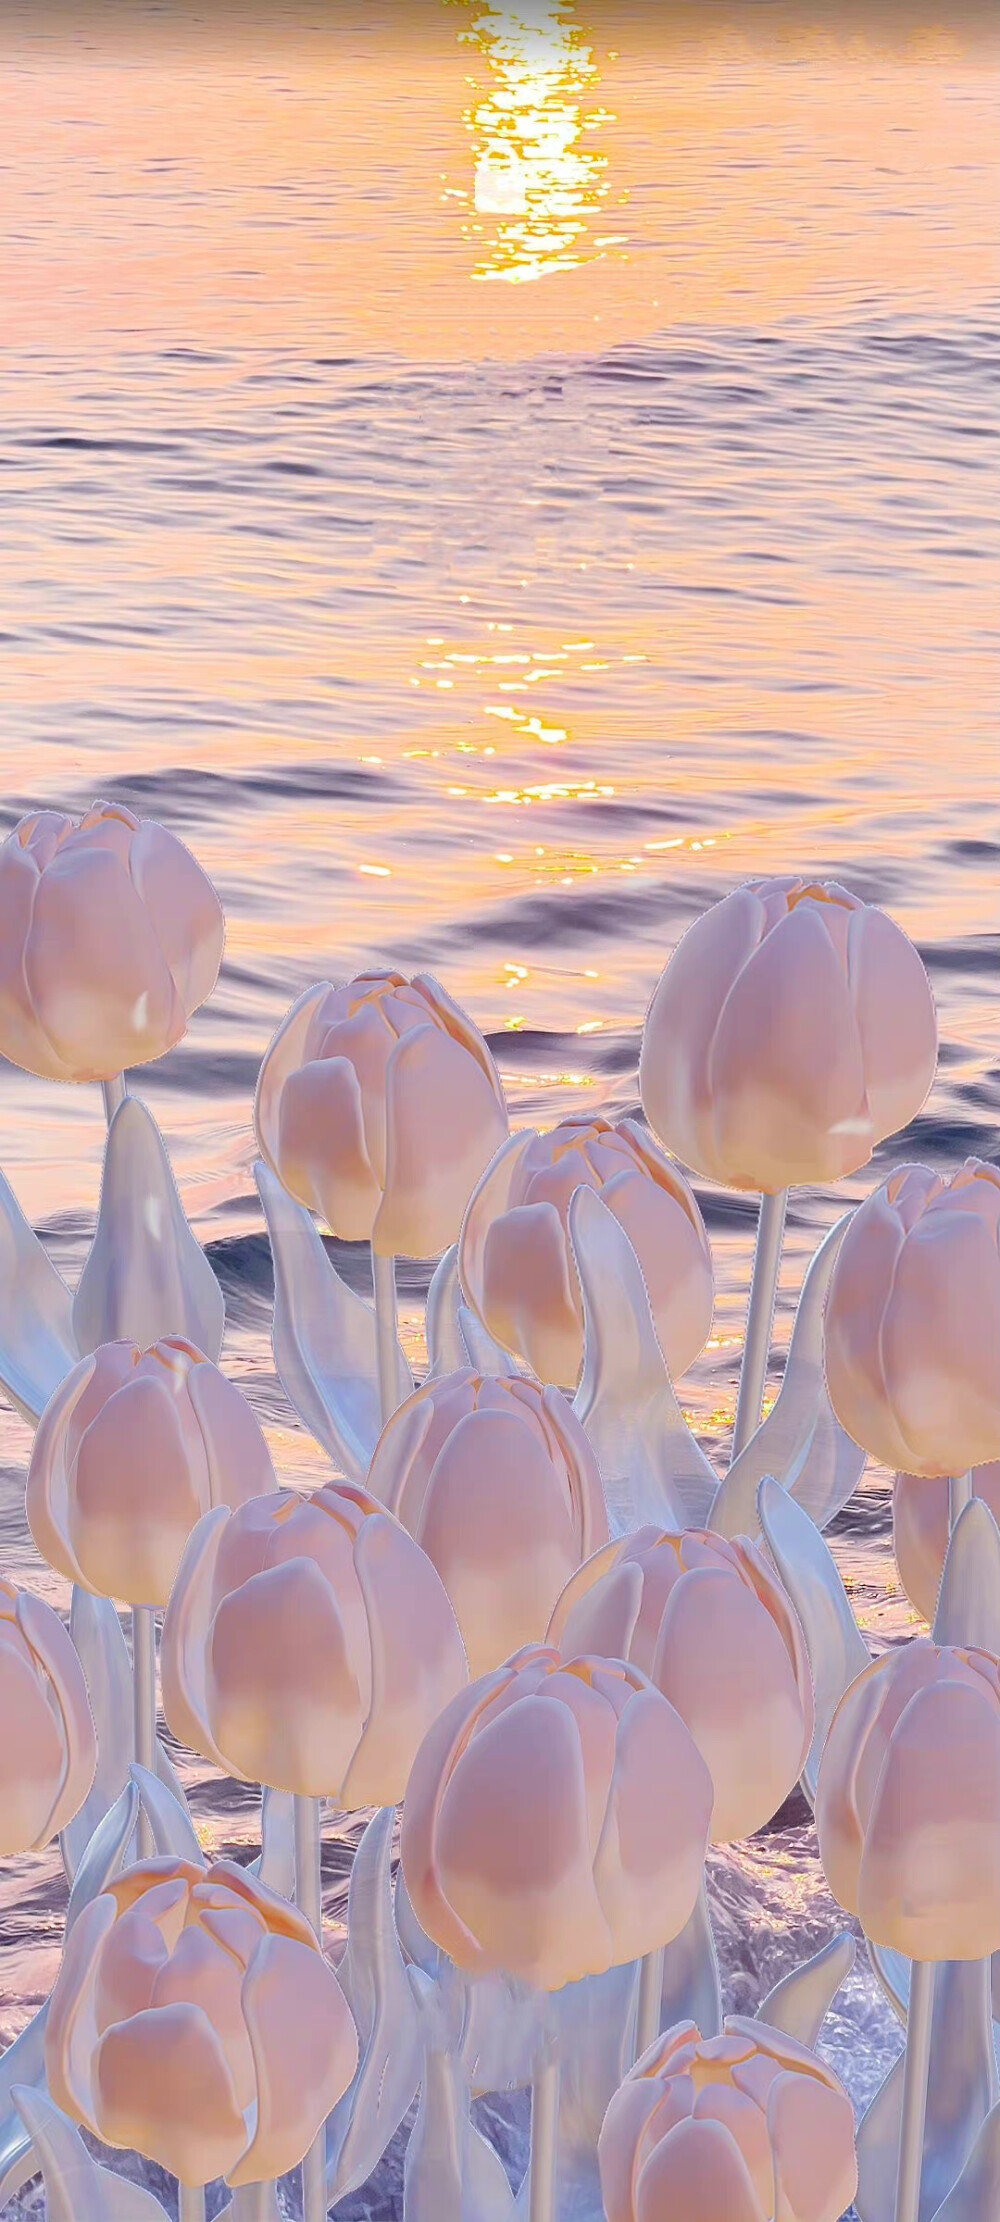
<point>675,1091</point>
<point>443,1124</point>
<point>162,2083</point>
<point>305,2050</point>
<point>411,1680</point>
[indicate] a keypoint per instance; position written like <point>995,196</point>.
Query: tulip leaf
<point>100,1641</point>
<point>76,2188</point>
<point>456,1337</point>
<point>652,1468</point>
<point>146,1275</point>
<point>450,2170</point>
<point>960,2094</point>
<point>800,1443</point>
<point>837,1649</point>
<point>596,2020</point>
<point>37,1344</point>
<point>374,1980</point>
<point>173,1829</point>
<point>799,2004</point>
<point>691,1989</point>
<point>325,1349</point>
<point>23,2063</point>
<point>106,1852</point>
<point>968,1608</point>
<point>976,2194</point>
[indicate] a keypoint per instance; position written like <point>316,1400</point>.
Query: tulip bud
<point>497,1482</point>
<point>378,1107</point>
<point>131,1449</point>
<point>908,1802</point>
<point>516,1258</point>
<point>913,1321</point>
<point>792,1029</point>
<point>709,1624</point>
<point>309,1644</point>
<point>749,2127</point>
<point>110,937</point>
<point>48,1753</point>
<point>556,1820</point>
<point>195,2019</point>
<point>921,1528</point>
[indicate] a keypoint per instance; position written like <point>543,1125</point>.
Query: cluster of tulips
<point>478,1620</point>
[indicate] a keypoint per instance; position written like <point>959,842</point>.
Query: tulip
<point>130,1451</point>
<point>309,1644</point>
<point>110,937</point>
<point>195,2019</point>
<point>516,1259</point>
<point>378,1106</point>
<point>746,2127</point>
<point>913,1322</point>
<point>710,1625</point>
<point>908,1802</point>
<point>48,1754</point>
<point>497,1482</point>
<point>555,1821</point>
<point>792,1029</point>
<point>921,1527</point>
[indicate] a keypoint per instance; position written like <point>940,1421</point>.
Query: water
<point>490,480</point>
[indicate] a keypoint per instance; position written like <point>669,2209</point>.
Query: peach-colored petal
<point>183,908</point>
<point>283,1696</point>
<point>859,1291</point>
<point>163,2087</point>
<point>443,1124</point>
<point>95,969</point>
<point>432,1770</point>
<point>417,1660</point>
<point>812,2134</point>
<point>930,1868</point>
<point>621,2130</point>
<point>34,1757</point>
<point>491,1197</point>
<point>942,1357</point>
<point>785,1070</point>
<point>676,1264</point>
<point>649,1862</point>
<point>129,1964</point>
<point>920,1525</point>
<point>134,1501</point>
<point>602,1621</point>
<point>184,1640</point>
<point>202,1972</point>
<point>459,1024</point>
<point>46,1489</point>
<point>512,1848</point>
<point>71,2028</point>
<point>896,1018</point>
<point>305,2050</point>
<point>722,1663</point>
<point>322,1158</point>
<point>404,1455</point>
<point>236,1454</point>
<point>681,1022</point>
<point>577,1589</point>
<point>697,2174</point>
<point>288,1048</point>
<point>531,1302</point>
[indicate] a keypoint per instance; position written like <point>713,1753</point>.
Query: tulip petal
<point>183,908</point>
<point>71,2030</point>
<point>46,1493</point>
<point>95,969</point>
<point>324,1337</point>
<point>618,2143</point>
<point>163,2087</point>
<point>942,1359</point>
<point>238,1460</point>
<point>812,2137</point>
<point>145,1276</point>
<point>601,1622</point>
<point>322,1154</point>
<point>896,1019</point>
<point>134,1499</point>
<point>697,2173</point>
<point>443,1124</point>
<point>60,1665</point>
<point>859,1293</point>
<point>37,1345</point>
<point>531,1302</point>
<point>285,1052</point>
<point>418,1663</point>
<point>721,1661</point>
<point>283,1694</point>
<point>305,2050</point>
<point>573,1598</point>
<point>458,1023</point>
<point>432,1768</point>
<point>649,1861</point>
<point>680,1025</point>
<point>184,1640</point>
<point>675,1260</point>
<point>489,1199</point>
<point>930,1878</point>
<point>837,1649</point>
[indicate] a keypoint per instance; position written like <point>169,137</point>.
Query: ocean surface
<point>490,479</point>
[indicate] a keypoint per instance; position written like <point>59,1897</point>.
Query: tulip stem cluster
<point>920,2014</point>
<point>760,1317</point>
<point>384,1283</point>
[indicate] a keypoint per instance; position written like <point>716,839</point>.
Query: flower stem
<point>190,2202</point>
<point>144,1707</point>
<point>114,1092</point>
<point>544,2140</point>
<point>760,1318</point>
<point>384,1280</point>
<point>961,1491</point>
<point>309,1899</point>
<point>915,2073</point>
<point>648,2006</point>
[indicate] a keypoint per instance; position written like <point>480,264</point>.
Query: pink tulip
<point>309,1644</point>
<point>132,1448</point>
<point>913,1321</point>
<point>555,1821</point>
<point>378,1106</point>
<point>713,1629</point>
<point>48,1752</point>
<point>921,1528</point>
<point>498,1483</point>
<point>516,1259</point>
<point>792,1029</point>
<point>908,1802</point>
<point>110,937</point>
<point>746,2127</point>
<point>195,2019</point>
